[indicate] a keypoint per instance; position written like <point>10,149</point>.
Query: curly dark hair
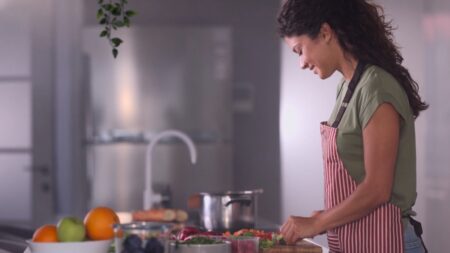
<point>362,31</point>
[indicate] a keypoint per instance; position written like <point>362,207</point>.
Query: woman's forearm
<point>363,200</point>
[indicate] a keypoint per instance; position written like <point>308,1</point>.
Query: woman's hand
<point>297,228</point>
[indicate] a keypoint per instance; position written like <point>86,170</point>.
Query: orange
<point>99,223</point>
<point>45,233</point>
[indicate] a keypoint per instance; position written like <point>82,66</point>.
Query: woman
<point>368,142</point>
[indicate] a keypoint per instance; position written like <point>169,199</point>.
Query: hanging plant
<point>113,15</point>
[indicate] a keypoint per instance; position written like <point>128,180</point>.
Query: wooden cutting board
<point>301,247</point>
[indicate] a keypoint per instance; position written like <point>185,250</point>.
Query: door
<point>25,111</point>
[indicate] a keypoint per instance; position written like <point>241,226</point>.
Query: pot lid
<point>246,192</point>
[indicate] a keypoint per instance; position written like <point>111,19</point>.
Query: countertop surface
<point>324,249</point>
<point>261,224</point>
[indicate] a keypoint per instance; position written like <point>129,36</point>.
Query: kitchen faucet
<point>149,196</point>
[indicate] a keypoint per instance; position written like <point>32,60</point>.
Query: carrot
<point>181,216</point>
<point>166,215</point>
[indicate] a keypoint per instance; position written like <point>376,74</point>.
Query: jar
<point>244,244</point>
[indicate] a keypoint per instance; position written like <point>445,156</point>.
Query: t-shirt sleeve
<point>378,92</point>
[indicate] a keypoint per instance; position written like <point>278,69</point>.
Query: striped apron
<point>378,232</point>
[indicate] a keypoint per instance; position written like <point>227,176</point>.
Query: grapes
<point>133,244</point>
<point>138,250</point>
<point>154,246</point>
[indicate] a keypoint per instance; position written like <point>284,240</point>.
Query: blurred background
<point>75,122</point>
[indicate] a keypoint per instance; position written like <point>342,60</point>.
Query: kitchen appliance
<point>226,211</point>
<point>165,77</point>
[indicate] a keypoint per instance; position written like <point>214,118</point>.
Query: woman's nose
<point>303,63</point>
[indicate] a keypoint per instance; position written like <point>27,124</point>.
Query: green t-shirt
<point>376,87</point>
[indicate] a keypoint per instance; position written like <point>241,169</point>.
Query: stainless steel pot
<point>226,211</point>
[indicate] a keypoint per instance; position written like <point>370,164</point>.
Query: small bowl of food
<point>200,244</point>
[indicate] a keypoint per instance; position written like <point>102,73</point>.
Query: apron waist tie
<point>417,229</point>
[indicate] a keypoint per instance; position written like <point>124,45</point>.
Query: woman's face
<point>315,54</point>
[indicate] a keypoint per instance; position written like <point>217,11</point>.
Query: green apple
<point>70,229</point>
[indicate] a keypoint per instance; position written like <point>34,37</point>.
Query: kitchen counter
<point>324,249</point>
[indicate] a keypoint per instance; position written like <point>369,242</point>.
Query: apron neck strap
<point>351,88</point>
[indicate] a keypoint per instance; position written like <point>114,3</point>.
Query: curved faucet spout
<point>149,196</point>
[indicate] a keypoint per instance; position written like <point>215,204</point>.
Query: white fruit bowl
<point>101,246</point>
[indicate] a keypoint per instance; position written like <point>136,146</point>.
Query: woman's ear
<point>326,32</point>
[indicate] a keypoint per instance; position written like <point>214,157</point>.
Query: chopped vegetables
<point>200,240</point>
<point>254,232</point>
<point>266,239</point>
<point>186,232</point>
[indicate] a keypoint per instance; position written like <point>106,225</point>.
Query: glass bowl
<point>147,236</point>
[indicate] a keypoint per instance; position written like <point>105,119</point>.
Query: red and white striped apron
<point>379,232</point>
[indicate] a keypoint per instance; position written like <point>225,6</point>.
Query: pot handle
<point>243,201</point>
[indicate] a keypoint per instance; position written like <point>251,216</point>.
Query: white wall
<point>436,173</point>
<point>306,100</point>
<point>409,36</point>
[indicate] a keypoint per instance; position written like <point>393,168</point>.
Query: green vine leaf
<point>103,33</point>
<point>107,7</point>
<point>100,14</point>
<point>126,21</point>
<point>115,52</point>
<point>130,13</point>
<point>119,23</point>
<point>116,41</point>
<point>112,15</point>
